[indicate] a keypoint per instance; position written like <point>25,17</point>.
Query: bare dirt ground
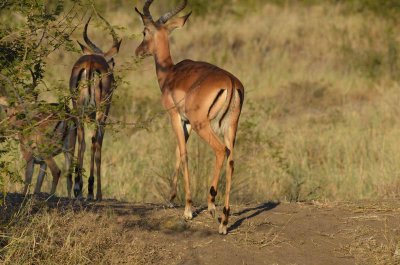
<point>361,232</point>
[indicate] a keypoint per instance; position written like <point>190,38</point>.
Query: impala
<point>198,96</point>
<point>92,85</point>
<point>43,134</point>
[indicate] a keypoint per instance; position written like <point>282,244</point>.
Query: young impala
<point>198,96</point>
<point>43,133</point>
<point>92,85</point>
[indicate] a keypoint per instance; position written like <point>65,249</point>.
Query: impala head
<point>155,32</point>
<point>92,48</point>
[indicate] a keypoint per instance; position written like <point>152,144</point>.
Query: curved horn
<point>88,41</point>
<point>146,10</point>
<point>164,18</point>
<point>112,31</point>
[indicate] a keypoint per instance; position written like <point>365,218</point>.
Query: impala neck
<point>163,60</point>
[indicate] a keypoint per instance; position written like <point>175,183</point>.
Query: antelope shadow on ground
<point>13,203</point>
<point>266,206</point>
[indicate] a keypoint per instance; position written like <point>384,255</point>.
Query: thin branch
<point>41,38</point>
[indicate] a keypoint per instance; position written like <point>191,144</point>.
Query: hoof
<point>79,197</point>
<point>188,214</point>
<point>223,230</point>
<point>77,193</point>
<point>212,212</point>
<point>211,209</point>
<point>99,198</point>
<point>172,196</point>
<point>90,197</point>
<point>170,204</point>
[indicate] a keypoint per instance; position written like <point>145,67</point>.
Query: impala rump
<point>90,75</point>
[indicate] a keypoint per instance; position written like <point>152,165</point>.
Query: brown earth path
<point>362,232</point>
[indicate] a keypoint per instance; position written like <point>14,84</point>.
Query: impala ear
<point>85,49</point>
<point>176,23</point>
<point>113,51</point>
<point>111,63</point>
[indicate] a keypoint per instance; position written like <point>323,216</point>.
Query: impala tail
<point>234,99</point>
<point>85,80</point>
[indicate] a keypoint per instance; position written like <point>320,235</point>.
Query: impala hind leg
<point>210,137</point>
<point>79,167</point>
<point>101,117</point>
<point>97,142</point>
<point>91,176</point>
<point>97,157</point>
<point>229,139</point>
<point>42,173</point>
<point>186,130</point>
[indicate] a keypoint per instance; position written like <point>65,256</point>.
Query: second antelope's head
<point>156,33</point>
<point>91,48</point>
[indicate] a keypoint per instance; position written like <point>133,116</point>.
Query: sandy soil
<point>362,232</point>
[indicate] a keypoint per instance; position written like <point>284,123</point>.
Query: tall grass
<point>320,119</point>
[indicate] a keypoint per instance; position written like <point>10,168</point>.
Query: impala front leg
<point>55,171</point>
<point>69,146</point>
<point>186,130</point>
<point>68,170</point>
<point>175,177</point>
<point>28,175</point>
<point>91,176</point>
<point>180,135</point>
<point>97,157</point>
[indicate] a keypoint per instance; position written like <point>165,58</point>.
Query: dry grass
<point>114,232</point>
<point>321,113</point>
<point>74,234</point>
<point>369,248</point>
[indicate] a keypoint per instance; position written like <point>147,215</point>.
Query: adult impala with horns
<point>92,85</point>
<point>198,96</point>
